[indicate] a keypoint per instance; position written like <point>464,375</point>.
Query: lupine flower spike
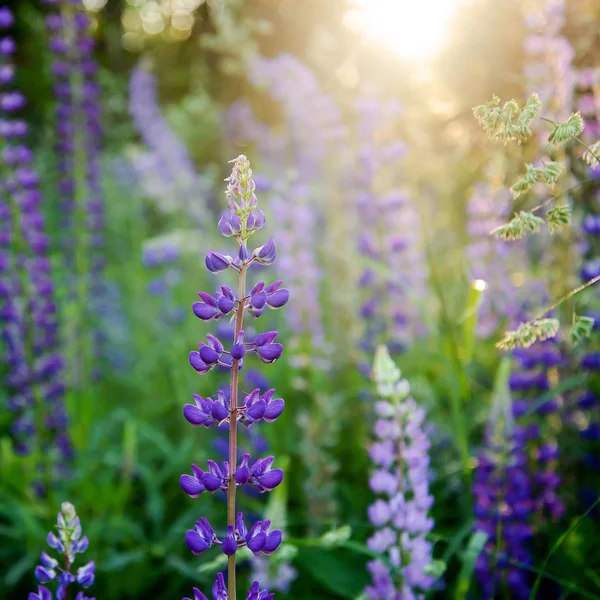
<point>67,544</point>
<point>33,367</point>
<point>242,219</point>
<point>402,460</point>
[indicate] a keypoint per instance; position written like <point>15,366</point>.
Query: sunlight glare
<point>414,29</point>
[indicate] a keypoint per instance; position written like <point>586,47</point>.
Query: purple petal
<point>273,410</point>
<point>238,351</point>
<point>204,311</point>
<point>211,482</point>
<point>263,339</point>
<point>216,262</point>
<point>195,543</point>
<point>257,288</point>
<point>229,545</point>
<point>44,575</point>
<point>271,479</point>
<point>240,526</point>
<point>191,486</point>
<point>194,415</point>
<point>273,287</point>
<point>258,300</point>
<point>219,412</point>
<point>225,304</point>
<point>215,343</point>
<point>257,410</point>
<point>208,299</point>
<point>273,541</point>
<point>270,353</point>
<point>257,542</point>
<point>208,355</point>
<point>279,298</point>
<point>198,363</point>
<point>242,475</point>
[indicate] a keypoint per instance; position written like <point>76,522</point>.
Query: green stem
<point>233,430</point>
<point>578,289</point>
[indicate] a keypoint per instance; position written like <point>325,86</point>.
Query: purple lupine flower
<point>312,128</point>
<point>401,458</point>
<point>165,172</point>
<point>28,324</point>
<point>503,509</point>
<point>526,385</point>
<point>226,409</point>
<point>584,414</point>
<point>67,544</point>
<point>393,279</point>
<point>78,141</point>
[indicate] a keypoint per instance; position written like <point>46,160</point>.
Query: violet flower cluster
<point>516,482</point>
<point>538,364</point>
<point>28,326</point>
<point>165,171</point>
<point>67,544</point>
<point>394,277</point>
<point>296,153</point>
<point>242,220</point>
<point>78,135</point>
<point>401,458</point>
<point>503,509</point>
<point>585,415</point>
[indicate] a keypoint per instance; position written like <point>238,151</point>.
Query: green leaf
<point>563,132</point>
<point>523,223</point>
<point>557,545</point>
<point>558,216</point>
<point>341,577</point>
<point>581,328</point>
<point>336,537</point>
<point>469,327</point>
<point>531,176</point>
<point>474,548</point>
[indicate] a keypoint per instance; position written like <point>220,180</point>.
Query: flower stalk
<point>241,221</point>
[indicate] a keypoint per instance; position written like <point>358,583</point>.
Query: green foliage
<point>532,175</point>
<point>581,328</point>
<point>508,123</point>
<point>519,226</point>
<point>550,173</point>
<point>474,548</point>
<point>564,132</point>
<point>558,216</point>
<point>528,333</point>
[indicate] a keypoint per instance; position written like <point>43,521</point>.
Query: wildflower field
<point>298,299</point>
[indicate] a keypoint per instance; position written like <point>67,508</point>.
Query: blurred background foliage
<point>131,442</point>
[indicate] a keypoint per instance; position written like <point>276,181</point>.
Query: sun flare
<point>413,29</point>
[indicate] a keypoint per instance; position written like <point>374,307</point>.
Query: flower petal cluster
<point>502,493</point>
<point>401,458</point>
<point>78,144</point>
<point>68,543</point>
<point>259,538</point>
<point>259,475</point>
<point>219,591</point>
<point>243,219</point>
<point>28,323</point>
